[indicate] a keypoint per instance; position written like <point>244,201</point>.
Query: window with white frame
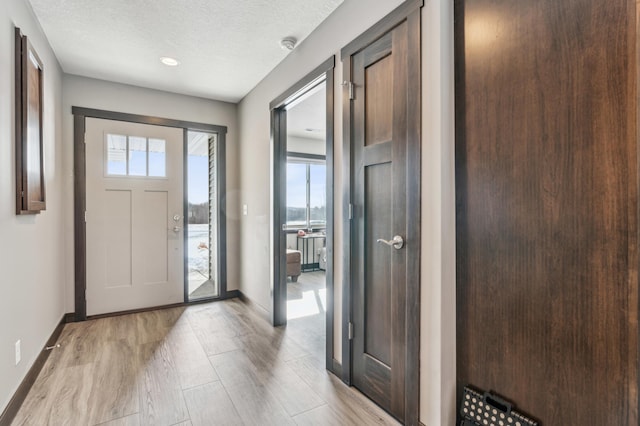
<point>135,156</point>
<point>306,192</point>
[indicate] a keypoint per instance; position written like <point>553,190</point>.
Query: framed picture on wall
<point>30,181</point>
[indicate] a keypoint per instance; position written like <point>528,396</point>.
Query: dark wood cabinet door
<point>547,206</point>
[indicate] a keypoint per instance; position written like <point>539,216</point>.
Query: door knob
<point>397,242</point>
<point>177,217</point>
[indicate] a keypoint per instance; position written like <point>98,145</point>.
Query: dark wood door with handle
<point>385,226</point>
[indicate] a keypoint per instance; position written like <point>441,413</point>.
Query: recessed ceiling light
<point>170,62</point>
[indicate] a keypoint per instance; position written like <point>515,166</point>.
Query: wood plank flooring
<point>211,364</point>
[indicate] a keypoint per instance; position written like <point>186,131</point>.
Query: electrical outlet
<point>18,352</point>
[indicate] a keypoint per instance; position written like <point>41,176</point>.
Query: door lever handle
<point>175,229</point>
<point>397,242</point>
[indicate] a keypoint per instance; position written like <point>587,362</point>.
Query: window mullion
<point>308,196</point>
<point>126,155</point>
<point>147,155</point>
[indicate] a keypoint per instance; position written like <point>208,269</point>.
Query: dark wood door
<point>383,143</point>
<point>547,206</point>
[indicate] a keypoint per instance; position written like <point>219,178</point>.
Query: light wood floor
<point>213,364</point>
<point>306,312</point>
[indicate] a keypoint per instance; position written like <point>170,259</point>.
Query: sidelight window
<point>202,216</point>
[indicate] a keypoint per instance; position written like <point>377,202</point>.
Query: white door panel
<point>117,233</point>
<point>154,240</point>
<point>135,250</point>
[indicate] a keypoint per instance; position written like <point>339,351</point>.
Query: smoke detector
<point>288,43</point>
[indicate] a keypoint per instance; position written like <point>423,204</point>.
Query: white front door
<point>135,249</point>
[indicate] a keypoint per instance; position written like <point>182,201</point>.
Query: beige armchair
<point>294,264</point>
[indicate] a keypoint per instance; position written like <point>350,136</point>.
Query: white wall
<point>98,94</point>
<point>31,256</point>
<point>438,260</point>
<point>437,375</point>
<point>306,145</point>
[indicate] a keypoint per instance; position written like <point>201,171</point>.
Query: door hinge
<point>22,194</point>
<point>352,89</point>
<point>85,216</point>
<point>350,211</point>
<point>350,331</point>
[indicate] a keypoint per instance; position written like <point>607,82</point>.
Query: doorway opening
<point>302,130</point>
<point>306,200</point>
<point>306,219</point>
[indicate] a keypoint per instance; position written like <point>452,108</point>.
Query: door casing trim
<point>80,115</point>
<point>323,74</point>
<point>409,11</point>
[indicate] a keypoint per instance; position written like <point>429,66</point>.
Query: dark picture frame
<point>30,180</point>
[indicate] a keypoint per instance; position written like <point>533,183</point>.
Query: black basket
<point>487,409</point>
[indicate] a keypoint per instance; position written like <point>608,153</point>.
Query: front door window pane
<point>116,155</point>
<point>157,158</point>
<point>137,156</point>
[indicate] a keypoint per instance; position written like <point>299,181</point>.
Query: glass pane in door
<point>137,156</point>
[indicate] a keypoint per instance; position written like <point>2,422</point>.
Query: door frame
<point>323,74</point>
<point>80,115</point>
<point>409,11</point>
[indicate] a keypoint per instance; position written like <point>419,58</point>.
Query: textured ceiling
<point>225,47</point>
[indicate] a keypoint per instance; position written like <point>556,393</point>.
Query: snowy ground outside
<point>198,255</point>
